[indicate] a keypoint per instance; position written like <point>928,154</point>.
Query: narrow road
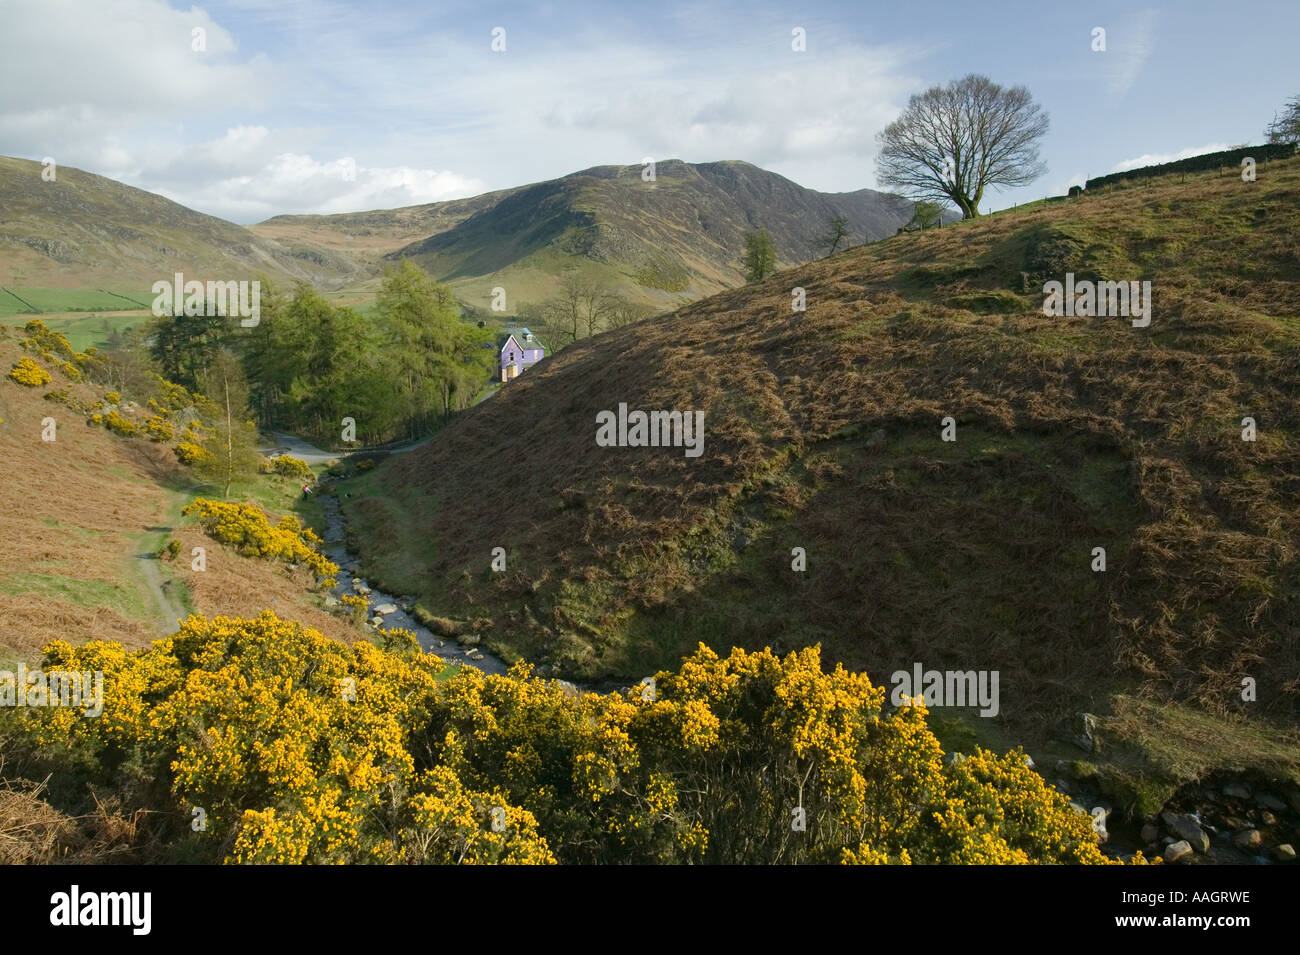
<point>295,446</point>
<point>298,448</point>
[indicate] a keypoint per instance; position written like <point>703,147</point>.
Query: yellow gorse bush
<point>188,452</point>
<point>158,428</point>
<point>28,373</point>
<point>116,423</point>
<point>302,750</point>
<point>54,347</point>
<point>289,467</point>
<point>246,528</point>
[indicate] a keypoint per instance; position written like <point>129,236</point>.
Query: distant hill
<point>823,432</point>
<point>367,236</point>
<point>84,231</point>
<point>658,243</point>
<point>679,237</point>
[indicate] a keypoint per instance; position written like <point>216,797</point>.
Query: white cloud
<point>764,115</point>
<point>1130,45</point>
<point>245,177</point>
<point>427,113</point>
<point>1078,179</point>
<point>1155,159</point>
<point>63,61</point>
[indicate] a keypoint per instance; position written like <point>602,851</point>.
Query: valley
<point>1061,514</point>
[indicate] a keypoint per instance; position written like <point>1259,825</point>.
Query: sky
<point>321,106</point>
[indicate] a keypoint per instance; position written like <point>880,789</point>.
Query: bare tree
<point>838,232</point>
<point>229,438</point>
<point>952,142</point>
<point>1285,129</point>
<point>625,313</point>
<point>582,306</point>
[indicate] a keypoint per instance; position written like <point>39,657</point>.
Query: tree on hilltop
<point>953,142</point>
<point>1286,128</point>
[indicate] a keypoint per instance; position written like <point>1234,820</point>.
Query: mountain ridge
<point>656,242</point>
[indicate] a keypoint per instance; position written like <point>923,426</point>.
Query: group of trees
<point>582,306</point>
<point>308,363</point>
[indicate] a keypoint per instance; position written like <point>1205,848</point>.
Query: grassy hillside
<point>679,236</point>
<point>87,233</point>
<point>823,431</point>
<point>82,518</point>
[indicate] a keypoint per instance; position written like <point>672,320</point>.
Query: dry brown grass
<point>234,585</point>
<point>32,832</point>
<point>76,514</point>
<point>70,513</point>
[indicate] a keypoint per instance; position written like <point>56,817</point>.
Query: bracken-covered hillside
<point>823,431</point>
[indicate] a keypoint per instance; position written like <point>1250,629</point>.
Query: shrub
<point>169,396</point>
<point>47,343</point>
<point>69,369</point>
<point>190,452</point>
<point>158,428</point>
<point>289,467</point>
<point>303,750</point>
<point>396,640</point>
<point>246,528</point>
<point>365,465</point>
<point>116,423</point>
<point>28,373</point>
<point>354,607</point>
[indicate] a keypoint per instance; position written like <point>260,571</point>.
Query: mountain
<point>367,236</point>
<point>680,235</point>
<point>83,231</point>
<point>658,243</point>
<point>823,431</point>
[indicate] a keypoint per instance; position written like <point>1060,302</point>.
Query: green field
<point>22,299</point>
<point>85,316</point>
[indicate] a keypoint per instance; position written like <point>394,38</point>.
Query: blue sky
<point>326,106</point>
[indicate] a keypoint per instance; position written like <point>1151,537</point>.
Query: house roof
<point>518,335</point>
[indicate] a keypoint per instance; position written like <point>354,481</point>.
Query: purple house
<point>518,349</point>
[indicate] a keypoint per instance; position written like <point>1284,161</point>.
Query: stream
<point>1124,836</point>
<point>335,548</point>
